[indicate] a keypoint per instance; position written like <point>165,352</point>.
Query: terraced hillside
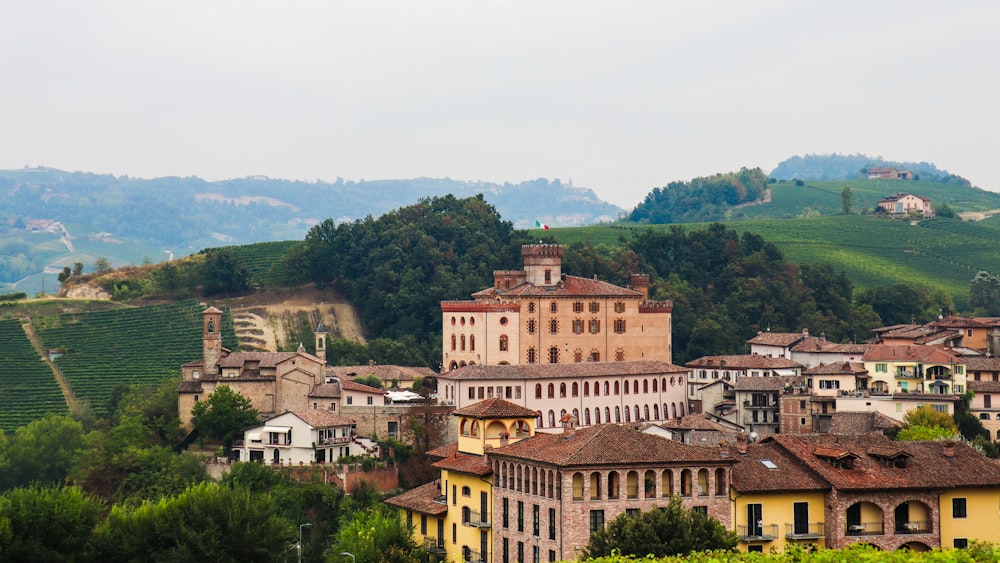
<point>940,254</point>
<point>141,345</point>
<point>28,389</point>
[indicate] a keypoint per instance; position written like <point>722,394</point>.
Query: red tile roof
<point>465,463</point>
<point>322,418</point>
<point>981,363</point>
<point>386,373</point>
<point>742,361</point>
<point>752,476</point>
<point>352,386</point>
<point>326,391</point>
<point>777,338</point>
<point>421,499</point>
<point>820,345</point>
<point>984,386</point>
<point>838,368</point>
<point>911,353</point>
<point>496,408</point>
<point>608,445</point>
<point>568,286</point>
<point>548,371</point>
<point>266,359</point>
<point>700,421</point>
<point>776,383</point>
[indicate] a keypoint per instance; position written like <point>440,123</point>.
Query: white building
<point>306,436</point>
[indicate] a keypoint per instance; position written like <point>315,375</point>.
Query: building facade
<point>539,315</point>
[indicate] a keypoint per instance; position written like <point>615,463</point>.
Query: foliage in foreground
<point>977,553</point>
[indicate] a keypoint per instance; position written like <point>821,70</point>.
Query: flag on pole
<point>540,225</point>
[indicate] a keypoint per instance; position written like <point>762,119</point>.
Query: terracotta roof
<point>568,286</point>
<point>465,463</point>
<point>386,373</point>
<point>752,476</point>
<point>928,468</point>
<point>352,386</point>
<point>606,444</point>
<point>266,359</point>
<point>548,371</point>
<point>496,408</point>
<point>958,322</point>
<point>860,422</point>
<point>742,361</point>
<point>700,421</point>
<point>211,309</point>
<point>326,390</point>
<point>444,451</point>
<point>322,418</point>
<point>189,387</point>
<point>421,499</point>
<point>910,353</point>
<point>984,386</point>
<point>777,338</point>
<point>820,345</point>
<point>838,368</point>
<point>980,363</point>
<point>776,383</point>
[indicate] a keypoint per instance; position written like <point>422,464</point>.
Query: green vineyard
<point>260,257</point>
<point>28,388</point>
<point>136,346</point>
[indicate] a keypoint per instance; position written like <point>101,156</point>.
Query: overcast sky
<point>616,96</point>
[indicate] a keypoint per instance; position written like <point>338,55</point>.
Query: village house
<point>296,437</point>
<point>902,205</point>
<point>914,369</point>
<point>758,402</point>
<point>884,173</point>
<point>835,490</point>
<point>593,392</point>
<point>539,315</point>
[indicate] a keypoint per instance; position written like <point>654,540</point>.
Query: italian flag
<point>540,225</point>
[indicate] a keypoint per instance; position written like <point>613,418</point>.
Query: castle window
<point>619,326</point>
<point>553,307</point>
<point>462,321</point>
<point>578,326</point>
<point>453,321</point>
<point>503,342</point>
<point>463,343</point>
<point>578,357</point>
<point>472,342</point>
<point>553,326</point>
<point>531,307</point>
<point>578,306</point>
<point>211,327</point>
<point>620,355</point>
<point>595,307</point>
<point>538,390</point>
<point>552,391</point>
<point>454,341</point>
<point>562,387</point>
<point>619,306</point>
<point>532,356</point>
<point>532,326</point>
<point>548,277</point>
<point>595,326</point>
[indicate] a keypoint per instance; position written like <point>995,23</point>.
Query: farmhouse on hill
<point>889,174</point>
<point>903,205</point>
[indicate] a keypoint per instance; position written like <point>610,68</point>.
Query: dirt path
<point>36,343</point>
<point>978,215</point>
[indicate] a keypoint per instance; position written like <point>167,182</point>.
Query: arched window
<point>463,342</point>
<point>463,427</point>
<point>637,418</point>
<point>554,355</point>
<point>673,410</point>
<point>654,386</point>
<point>618,415</point>
<point>466,516</point>
<point>554,326</point>
<point>538,390</point>
<point>576,414</point>
<point>606,387</point>
<point>595,486</point>
<point>586,388</point>
<point>645,386</point>
<point>649,484</point>
<point>613,484</point>
<point>475,428</point>
<point>703,482</point>
<point>635,387</point>
<point>453,341</point>
<point>667,484</point>
<point>631,485</point>
<point>645,412</point>
<point>578,486</point>
<point>532,326</point>
<point>686,483</point>
<point>656,412</point>
<point>552,390</point>
<point>607,414</point>
<point>472,342</point>
<point>628,414</point>
<point>597,415</point>
<point>617,388</point>
<point>552,419</point>
<point>586,416</point>
<point>503,342</point>
<point>720,482</point>
<point>626,389</point>
<point>562,390</point>
<point>575,392</point>
<point>534,480</point>
<point>553,306</point>
<point>211,327</point>
<point>680,409</point>
<point>532,355</point>
<point>466,491</point>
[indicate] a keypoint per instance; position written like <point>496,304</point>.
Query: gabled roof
<point>265,359</point>
<point>861,422</point>
<point>911,353</point>
<point>958,322</point>
<point>699,421</point>
<point>606,445</point>
<point>496,408</point>
<point>838,368</point>
<point>776,383</point>
<point>421,499</point>
<point>777,338</point>
<point>383,372</point>
<point>750,475</point>
<point>549,371</point>
<point>568,286</point>
<point>359,388</point>
<point>742,361</point>
<point>322,418</point>
<point>984,386</point>
<point>470,464</point>
<point>980,363</point>
<point>823,346</point>
<point>326,391</point>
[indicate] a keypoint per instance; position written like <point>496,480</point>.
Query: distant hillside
<point>50,218</point>
<point>850,166</point>
<point>701,199</point>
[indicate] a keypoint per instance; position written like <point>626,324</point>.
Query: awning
<point>278,429</point>
<point>253,436</point>
<point>784,371</point>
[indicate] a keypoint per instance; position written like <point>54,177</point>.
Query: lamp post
<point>351,555</point>
<point>298,546</point>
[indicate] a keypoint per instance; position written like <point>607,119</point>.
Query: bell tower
<point>211,340</point>
<point>321,342</point>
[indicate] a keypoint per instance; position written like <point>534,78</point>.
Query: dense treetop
<point>701,199</point>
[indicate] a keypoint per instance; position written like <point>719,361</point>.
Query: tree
<point>208,522</point>
<point>223,415</point>
<point>223,272</point>
<point>845,200</point>
<point>44,451</point>
<point>928,417</point>
<point>369,380</point>
<point>984,292</point>
<point>47,524</point>
<point>943,210</point>
<point>102,265</point>
<point>376,535</point>
<point>669,530</point>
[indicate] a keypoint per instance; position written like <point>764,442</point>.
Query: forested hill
<point>701,199</point>
<point>850,167</point>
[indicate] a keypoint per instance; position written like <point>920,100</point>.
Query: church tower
<point>211,340</point>
<point>321,341</point>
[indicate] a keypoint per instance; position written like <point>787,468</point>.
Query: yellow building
<point>452,516</point>
<point>541,315</point>
<point>914,369</point>
<point>835,490</point>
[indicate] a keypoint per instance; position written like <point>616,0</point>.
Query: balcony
<point>748,419</point>
<point>765,532</point>
<point>434,546</point>
<point>809,531</point>
<point>470,556</point>
<point>476,521</point>
<point>759,405</point>
<point>335,440</point>
<point>866,529</point>
<point>913,527</point>
<point>904,374</point>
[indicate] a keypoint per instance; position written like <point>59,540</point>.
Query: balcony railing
<point>434,545</point>
<point>748,419</point>
<point>476,521</point>
<point>335,440</point>
<point>764,532</point>
<point>866,529</point>
<point>473,557</point>
<point>810,531</point>
<point>913,527</point>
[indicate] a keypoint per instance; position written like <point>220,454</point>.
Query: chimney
<point>371,363</point>
<point>640,283</point>
<point>805,332</point>
<point>723,449</point>
<point>504,438</point>
<point>949,448</point>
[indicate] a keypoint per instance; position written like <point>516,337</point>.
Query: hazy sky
<point>617,96</point>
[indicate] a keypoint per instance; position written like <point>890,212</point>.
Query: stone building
<point>539,315</point>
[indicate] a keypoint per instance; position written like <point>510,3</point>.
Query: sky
<point>619,97</point>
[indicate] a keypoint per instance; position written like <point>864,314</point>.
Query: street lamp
<point>351,555</point>
<point>298,546</point>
